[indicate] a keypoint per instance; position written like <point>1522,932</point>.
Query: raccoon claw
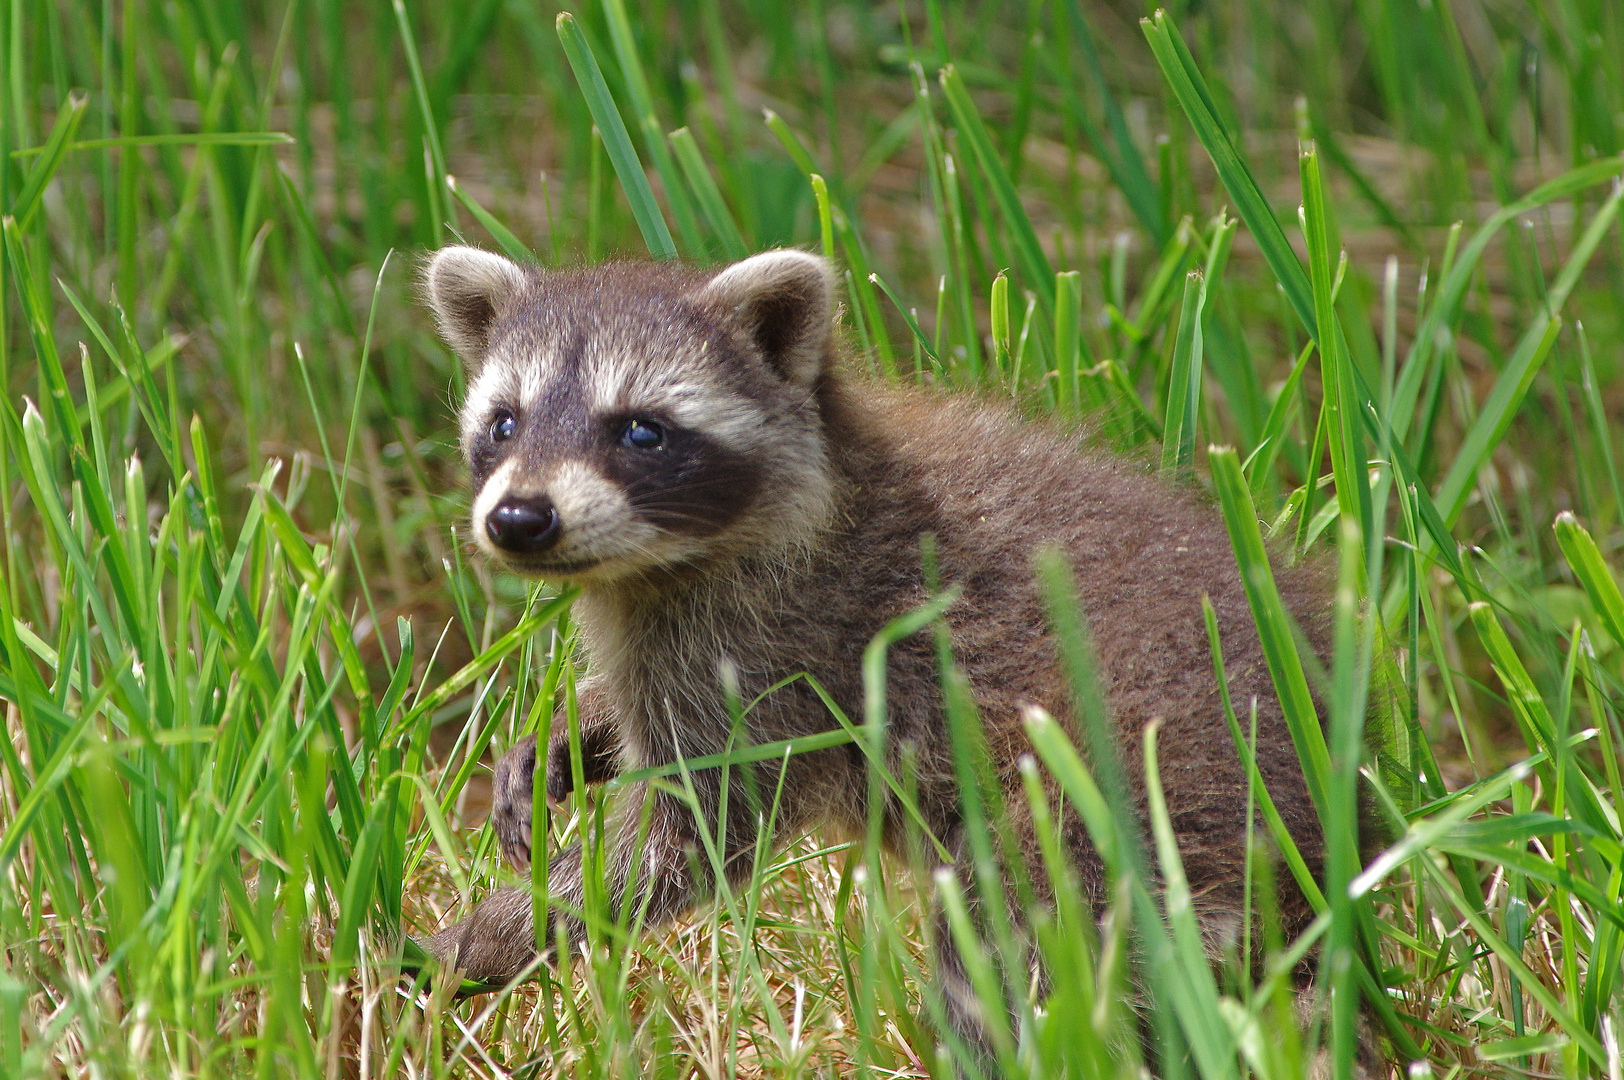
<point>560,779</point>
<point>511,800</point>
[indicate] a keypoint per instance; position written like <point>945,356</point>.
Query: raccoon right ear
<point>785,302</point>
<point>467,288</point>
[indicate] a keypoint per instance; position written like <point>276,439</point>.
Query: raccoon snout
<point>523,526</point>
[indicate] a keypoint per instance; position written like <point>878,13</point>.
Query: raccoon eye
<point>502,427</point>
<point>642,435</point>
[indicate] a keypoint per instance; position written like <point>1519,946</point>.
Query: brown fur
<point>993,491</point>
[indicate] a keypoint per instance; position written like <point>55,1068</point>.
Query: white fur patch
<point>483,393</point>
<point>729,419</point>
<point>604,383</point>
<point>531,376</point>
<point>489,495</point>
<point>591,509</point>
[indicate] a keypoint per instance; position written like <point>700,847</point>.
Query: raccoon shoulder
<point>975,468</point>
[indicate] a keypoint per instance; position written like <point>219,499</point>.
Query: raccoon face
<point>634,417</point>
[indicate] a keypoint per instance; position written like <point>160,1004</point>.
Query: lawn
<point>1354,265</point>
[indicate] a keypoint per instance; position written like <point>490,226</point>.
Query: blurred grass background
<point>250,669</point>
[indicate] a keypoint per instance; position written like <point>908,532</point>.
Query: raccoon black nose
<point>523,526</point>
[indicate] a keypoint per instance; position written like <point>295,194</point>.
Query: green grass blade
<point>1527,703</point>
<point>1273,623</point>
<point>633,181</point>
<point>1460,271</point>
<point>1326,140</point>
<point>1586,561</point>
<point>699,178</point>
<point>503,236</point>
<point>867,306</point>
<point>1277,827</point>
<point>923,342</point>
<point>1272,439</point>
<point>792,142</point>
<point>826,220</point>
<point>875,713</point>
<point>50,154</point>
<point>53,379</point>
<point>1513,961</point>
<point>1210,1039</point>
<point>433,151</point>
<point>1500,409</point>
<point>1336,366</point>
<point>1597,413</point>
<point>1191,92</point>
<point>1116,378</point>
<point>1122,155</point>
<point>487,659</point>
<point>1081,668</point>
<point>1350,682</point>
<point>1068,313</point>
<point>1034,264</point>
<point>642,102</point>
<point>1184,389</point>
<point>196,138</point>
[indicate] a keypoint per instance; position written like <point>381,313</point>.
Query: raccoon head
<point>636,418</point>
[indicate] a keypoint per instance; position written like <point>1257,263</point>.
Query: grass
<point>1367,251</point>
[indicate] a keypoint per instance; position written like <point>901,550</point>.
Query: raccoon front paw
<point>600,759</point>
<point>493,946</point>
<point>511,801</point>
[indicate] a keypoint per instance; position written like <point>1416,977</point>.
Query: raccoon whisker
<point>670,509</point>
<point>692,484</point>
<point>671,514</point>
<point>672,494</point>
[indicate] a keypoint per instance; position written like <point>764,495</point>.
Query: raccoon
<point>688,448</point>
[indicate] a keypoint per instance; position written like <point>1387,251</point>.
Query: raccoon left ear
<point>468,288</point>
<point>785,301</point>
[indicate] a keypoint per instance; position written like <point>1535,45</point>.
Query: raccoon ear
<point>785,301</point>
<point>467,288</point>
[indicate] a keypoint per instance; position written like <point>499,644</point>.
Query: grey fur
<point>808,494</point>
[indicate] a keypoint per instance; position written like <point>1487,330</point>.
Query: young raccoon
<point>685,447</point>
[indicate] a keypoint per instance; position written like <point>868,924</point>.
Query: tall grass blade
<point>1458,274</point>
<point>510,244</point>
<point>631,71</point>
<point>1190,90</point>
<point>1121,155</point>
<point>1068,313</point>
<point>1273,623</point>
<point>1184,388</point>
<point>1034,264</point>
<point>699,178</point>
<point>1586,561</point>
<point>618,145</point>
<point>1210,1039</point>
<point>1495,418</point>
<point>1342,403</point>
<point>434,153</point>
<point>50,156</point>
